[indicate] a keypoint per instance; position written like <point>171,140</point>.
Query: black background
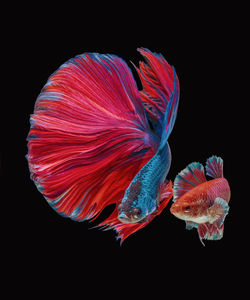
<point>201,48</point>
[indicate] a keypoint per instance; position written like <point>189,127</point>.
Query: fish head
<point>136,209</point>
<point>189,210</point>
<point>182,210</point>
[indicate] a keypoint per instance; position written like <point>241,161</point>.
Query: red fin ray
<point>160,93</point>
<point>209,231</point>
<point>99,85</point>
<point>157,80</point>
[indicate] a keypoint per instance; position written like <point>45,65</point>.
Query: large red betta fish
<point>96,140</point>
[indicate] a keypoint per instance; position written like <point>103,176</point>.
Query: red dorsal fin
<point>188,178</point>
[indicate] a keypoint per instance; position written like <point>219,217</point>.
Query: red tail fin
<point>89,135</point>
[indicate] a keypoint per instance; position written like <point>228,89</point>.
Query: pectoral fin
<point>218,211</point>
<point>190,225</point>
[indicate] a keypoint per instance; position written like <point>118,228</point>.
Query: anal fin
<point>209,231</point>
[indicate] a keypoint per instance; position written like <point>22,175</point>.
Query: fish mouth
<point>125,219</point>
<point>174,211</point>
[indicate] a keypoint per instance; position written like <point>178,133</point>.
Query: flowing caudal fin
<point>188,178</point>
<point>214,167</point>
<point>89,136</point>
<point>125,229</point>
<point>160,92</point>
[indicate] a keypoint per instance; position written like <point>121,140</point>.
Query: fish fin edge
<point>209,231</point>
<point>190,177</point>
<point>214,167</point>
<point>219,210</point>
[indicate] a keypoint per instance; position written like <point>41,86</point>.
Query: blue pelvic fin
<point>214,167</point>
<point>190,225</point>
<point>192,176</point>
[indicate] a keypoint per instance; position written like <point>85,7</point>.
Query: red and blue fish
<point>202,204</point>
<point>96,140</point>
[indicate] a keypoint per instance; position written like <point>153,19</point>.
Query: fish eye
<point>136,212</point>
<point>187,207</point>
<point>119,207</point>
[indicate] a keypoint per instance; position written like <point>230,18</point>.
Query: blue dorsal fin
<point>214,167</point>
<point>188,178</point>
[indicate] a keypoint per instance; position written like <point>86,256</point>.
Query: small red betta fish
<point>202,204</point>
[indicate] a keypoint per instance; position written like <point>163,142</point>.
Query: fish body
<point>202,204</point>
<point>96,140</point>
<point>141,198</point>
